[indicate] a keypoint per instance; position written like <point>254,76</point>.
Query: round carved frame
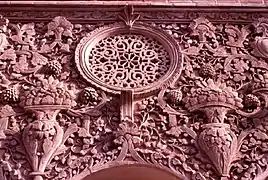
<point>170,45</point>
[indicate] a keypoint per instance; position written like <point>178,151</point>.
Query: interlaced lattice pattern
<point>128,60</point>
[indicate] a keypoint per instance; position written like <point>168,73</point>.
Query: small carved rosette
<point>219,143</point>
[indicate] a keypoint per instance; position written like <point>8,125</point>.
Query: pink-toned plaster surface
<point>132,172</point>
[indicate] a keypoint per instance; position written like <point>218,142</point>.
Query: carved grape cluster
<point>174,96</point>
<point>251,101</point>
<point>89,96</point>
<point>9,96</point>
<point>207,70</point>
<point>53,67</point>
<point>265,80</point>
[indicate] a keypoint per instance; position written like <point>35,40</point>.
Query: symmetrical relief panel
<point>189,97</point>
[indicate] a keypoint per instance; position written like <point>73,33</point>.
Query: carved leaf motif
<point>29,29</point>
<point>65,48</point>
<point>47,145</point>
<point>129,17</point>
<point>175,131</point>
<point>16,38</point>
<point>25,34</point>
<point>6,111</point>
<point>71,129</point>
<point>137,141</point>
<point>3,126</point>
<point>21,65</point>
<point>67,33</point>
<point>241,66</point>
<point>3,42</point>
<point>83,132</point>
<point>60,25</point>
<point>238,77</point>
<point>260,135</point>
<point>219,144</point>
<point>60,150</point>
<point>8,54</point>
<point>32,146</point>
<point>45,48</point>
<point>38,59</point>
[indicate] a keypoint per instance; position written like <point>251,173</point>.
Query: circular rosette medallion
<point>141,58</point>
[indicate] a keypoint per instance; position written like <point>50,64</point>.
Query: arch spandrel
<point>179,94</point>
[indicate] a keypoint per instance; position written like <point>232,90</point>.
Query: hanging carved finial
<point>129,17</point>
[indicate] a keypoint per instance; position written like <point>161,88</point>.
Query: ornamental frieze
<point>183,92</point>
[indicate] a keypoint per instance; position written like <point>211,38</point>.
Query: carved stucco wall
<point>84,89</point>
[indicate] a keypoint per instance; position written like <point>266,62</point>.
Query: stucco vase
<point>219,144</point>
<point>42,137</point>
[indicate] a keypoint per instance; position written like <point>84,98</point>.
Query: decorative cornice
<point>167,3</point>
<point>108,13</point>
